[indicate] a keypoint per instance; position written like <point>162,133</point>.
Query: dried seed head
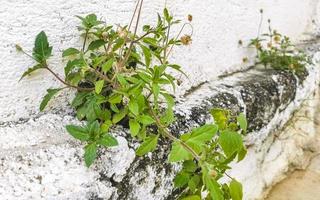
<point>240,43</point>
<point>269,45</point>
<point>186,39</point>
<point>261,10</point>
<point>245,59</point>
<point>258,45</point>
<point>190,18</point>
<point>18,47</point>
<point>276,38</point>
<point>122,32</point>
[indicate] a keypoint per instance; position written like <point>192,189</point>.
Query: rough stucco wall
<point>218,25</point>
<point>41,144</point>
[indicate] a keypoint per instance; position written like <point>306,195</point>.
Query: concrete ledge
<point>38,159</point>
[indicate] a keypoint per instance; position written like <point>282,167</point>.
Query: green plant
<point>277,51</point>
<point>120,78</point>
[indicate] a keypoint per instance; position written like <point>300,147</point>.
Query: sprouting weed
<point>121,77</point>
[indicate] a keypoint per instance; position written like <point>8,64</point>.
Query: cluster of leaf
<point>121,77</point>
<point>217,145</point>
<point>277,51</point>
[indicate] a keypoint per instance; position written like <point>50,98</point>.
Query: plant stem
<point>143,36</point>
<point>182,28</point>
<point>166,45</point>
<point>169,135</point>
<point>85,40</point>
<point>134,35</point>
<point>104,77</point>
<point>64,82</point>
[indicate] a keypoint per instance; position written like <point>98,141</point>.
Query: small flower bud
<point>213,173</point>
<point>186,39</point>
<point>190,18</point>
<point>105,35</point>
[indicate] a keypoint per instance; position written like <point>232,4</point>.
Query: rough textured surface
<point>39,160</point>
<point>218,25</point>
<point>304,181</point>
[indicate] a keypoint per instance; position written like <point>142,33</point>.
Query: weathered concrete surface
<point>38,160</point>
<point>218,25</point>
<point>301,184</point>
<point>301,178</point>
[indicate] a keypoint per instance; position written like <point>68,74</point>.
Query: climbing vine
<point>121,77</point>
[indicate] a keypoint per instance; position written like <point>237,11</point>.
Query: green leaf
<point>119,116</point>
<point>242,121</point>
<point>213,187</point>
<point>147,55</point>
<point>145,77</point>
<point>70,52</point>
<point>42,50</point>
<point>94,128</point>
<point>150,41</point>
<point>98,86</point>
<point>235,190</point>
<point>73,64</point>
<point>166,15</point>
<point>230,142</point>
<point>108,141</point>
<point>155,91</point>
<point>78,132</point>
<point>90,154</point>
<point>48,96</point>
<point>178,68</point>
<point>148,145</point>
<point>115,98</point>
<point>107,66</point>
<point>192,197</point>
<point>96,44</point>
<point>202,134</point>
<point>169,99</point>
<point>146,120</point>
<point>134,127</point>
<point>189,166</point>
<point>30,70</point>
<point>181,179</point>
<point>119,42</point>
<point>193,183</point>
<point>79,99</point>
<point>242,153</point>
<point>106,125</point>
<point>134,107</point>
<point>179,153</point>
<point>220,117</point>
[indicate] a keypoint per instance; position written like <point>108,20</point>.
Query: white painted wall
<point>218,25</point>
<point>42,141</point>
